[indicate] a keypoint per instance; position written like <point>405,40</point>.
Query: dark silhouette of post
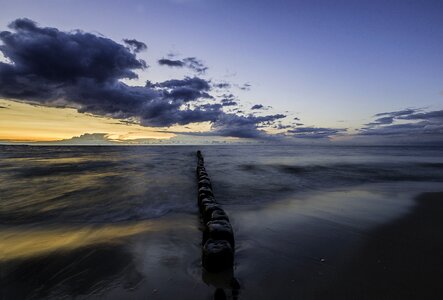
<point>218,244</point>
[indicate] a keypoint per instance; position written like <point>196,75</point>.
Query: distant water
<point>69,185</point>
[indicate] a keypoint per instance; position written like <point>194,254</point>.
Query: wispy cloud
<point>191,63</point>
<point>257,106</point>
<point>245,87</point>
<point>407,124</point>
<point>315,132</point>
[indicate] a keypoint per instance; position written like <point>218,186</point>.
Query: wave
<point>364,172</point>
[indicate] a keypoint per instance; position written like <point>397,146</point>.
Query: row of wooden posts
<point>218,237</point>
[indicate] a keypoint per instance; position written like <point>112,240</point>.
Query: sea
<point>108,184</point>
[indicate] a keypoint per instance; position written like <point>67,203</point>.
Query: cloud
<point>45,60</point>
<point>228,97</point>
<point>244,126</point>
<point>389,117</point>
<point>189,82</point>
<point>187,89</point>
<point>281,126</point>
<point>245,87</point>
<point>233,125</point>
<point>135,45</point>
<point>226,102</point>
<point>315,132</point>
<point>88,138</point>
<point>222,85</point>
<point>188,62</point>
<point>420,126</point>
<point>381,121</point>
<point>195,64</point>
<point>49,55</point>
<point>432,116</point>
<point>171,62</point>
<point>398,113</point>
<point>84,71</point>
<point>402,129</point>
<point>257,106</point>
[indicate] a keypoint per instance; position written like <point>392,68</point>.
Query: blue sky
<point>332,64</point>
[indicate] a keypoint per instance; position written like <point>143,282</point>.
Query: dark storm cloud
<point>188,62</point>
<point>257,106</point>
<point>315,132</point>
<point>135,45</point>
<point>53,56</point>
<point>84,71</point>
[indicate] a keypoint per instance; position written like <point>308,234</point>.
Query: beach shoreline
<point>300,248</point>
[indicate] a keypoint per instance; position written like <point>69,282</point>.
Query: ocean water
<point>89,184</point>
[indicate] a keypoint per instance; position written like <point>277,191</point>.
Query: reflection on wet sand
<point>107,260</point>
<point>55,262</point>
<point>21,243</point>
<point>224,282</point>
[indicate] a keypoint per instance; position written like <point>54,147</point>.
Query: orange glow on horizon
<point>22,122</point>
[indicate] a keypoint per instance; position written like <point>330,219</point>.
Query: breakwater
<point>218,245</point>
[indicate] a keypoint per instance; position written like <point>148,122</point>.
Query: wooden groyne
<point>218,243</point>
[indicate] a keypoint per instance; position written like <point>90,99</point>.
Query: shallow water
<point>119,222</point>
<point>113,184</point>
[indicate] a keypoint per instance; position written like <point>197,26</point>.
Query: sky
<point>221,70</point>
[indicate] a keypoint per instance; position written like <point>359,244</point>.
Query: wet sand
<point>360,243</point>
<point>329,253</point>
<point>402,259</point>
